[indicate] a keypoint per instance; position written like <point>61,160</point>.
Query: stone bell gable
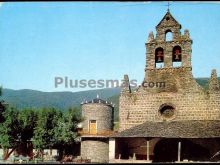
<point>169,91</point>
<point>167,24</point>
<point>160,50</point>
<point>169,61</point>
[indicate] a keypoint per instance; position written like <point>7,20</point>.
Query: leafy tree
<point>66,129</point>
<point>47,119</point>
<point>9,131</point>
<point>27,119</point>
<point>65,132</point>
<point>46,128</point>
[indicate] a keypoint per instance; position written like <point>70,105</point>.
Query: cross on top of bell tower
<point>168,6</point>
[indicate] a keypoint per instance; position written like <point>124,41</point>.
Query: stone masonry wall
<point>103,114</point>
<point>189,99</point>
<point>95,149</point>
<point>137,108</point>
<point>185,45</point>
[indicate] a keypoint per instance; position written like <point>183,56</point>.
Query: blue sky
<point>95,40</point>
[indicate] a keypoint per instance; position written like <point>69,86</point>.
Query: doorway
<point>92,127</point>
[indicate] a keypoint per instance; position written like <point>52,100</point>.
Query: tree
<point>65,133</point>
<point>46,128</point>
<point>9,131</point>
<point>27,119</point>
<point>66,130</point>
<point>47,119</point>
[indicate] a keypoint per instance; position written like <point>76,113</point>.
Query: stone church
<point>175,120</point>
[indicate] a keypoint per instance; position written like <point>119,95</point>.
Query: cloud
<point>1,3</point>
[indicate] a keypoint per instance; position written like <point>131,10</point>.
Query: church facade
<point>178,114</point>
<point>176,120</point>
<point>180,97</point>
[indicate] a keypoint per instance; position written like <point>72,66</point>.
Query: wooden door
<point>92,127</point>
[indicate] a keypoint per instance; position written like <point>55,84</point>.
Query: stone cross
<point>168,6</point>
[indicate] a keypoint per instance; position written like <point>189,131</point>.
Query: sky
<point>95,40</point>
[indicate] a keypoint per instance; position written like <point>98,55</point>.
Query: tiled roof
<point>174,129</point>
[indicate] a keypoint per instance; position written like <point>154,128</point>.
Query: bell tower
<point>169,92</point>
<point>169,48</point>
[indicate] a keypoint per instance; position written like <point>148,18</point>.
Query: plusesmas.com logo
<point>66,82</point>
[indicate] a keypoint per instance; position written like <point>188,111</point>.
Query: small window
<point>168,35</point>
<point>167,111</point>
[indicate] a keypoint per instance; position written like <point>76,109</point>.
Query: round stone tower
<point>97,126</point>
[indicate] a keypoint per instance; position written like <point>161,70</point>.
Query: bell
<point>177,54</point>
<point>159,55</point>
<point>159,58</point>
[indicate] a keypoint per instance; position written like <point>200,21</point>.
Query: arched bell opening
<point>177,56</point>
<point>159,58</point>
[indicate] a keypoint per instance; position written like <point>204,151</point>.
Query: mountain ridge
<point>28,98</point>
